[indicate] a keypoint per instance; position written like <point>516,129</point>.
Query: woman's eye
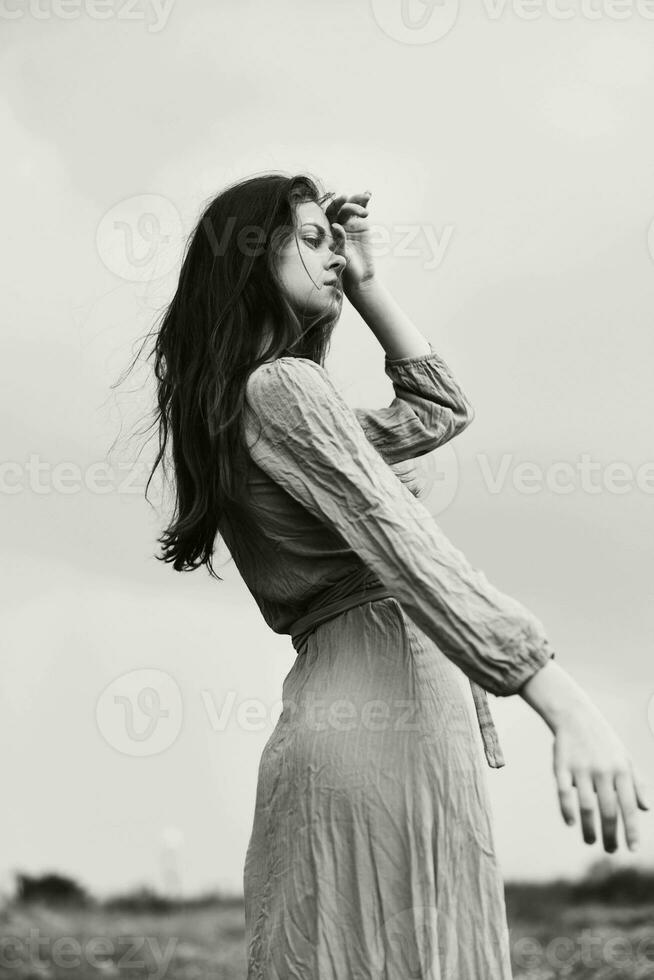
<point>313,242</point>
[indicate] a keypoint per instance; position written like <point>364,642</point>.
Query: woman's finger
<point>361,198</point>
<point>608,808</point>
<point>627,799</point>
<point>352,208</point>
<point>586,795</point>
<point>340,238</point>
<point>343,206</point>
<point>334,205</point>
<point>565,788</point>
<point>641,788</point>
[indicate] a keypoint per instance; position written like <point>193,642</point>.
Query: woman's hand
<point>348,217</point>
<point>590,758</point>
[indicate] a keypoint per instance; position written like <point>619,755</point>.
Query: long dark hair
<point>210,338</point>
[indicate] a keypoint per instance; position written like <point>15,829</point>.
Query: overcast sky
<point>511,161</point>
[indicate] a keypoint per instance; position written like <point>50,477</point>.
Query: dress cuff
<point>526,670</point>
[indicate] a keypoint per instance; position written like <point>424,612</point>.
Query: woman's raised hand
<point>348,217</point>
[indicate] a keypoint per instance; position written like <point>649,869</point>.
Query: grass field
<point>551,938</point>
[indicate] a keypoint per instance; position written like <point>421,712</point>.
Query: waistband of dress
<point>306,624</point>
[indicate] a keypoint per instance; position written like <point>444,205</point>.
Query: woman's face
<point>308,267</point>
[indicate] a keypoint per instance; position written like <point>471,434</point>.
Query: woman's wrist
<point>554,694</point>
<point>360,294</point>
<point>394,330</point>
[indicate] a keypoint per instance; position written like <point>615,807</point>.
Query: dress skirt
<point>371,855</point>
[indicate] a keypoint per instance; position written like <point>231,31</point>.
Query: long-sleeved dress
<point>371,855</point>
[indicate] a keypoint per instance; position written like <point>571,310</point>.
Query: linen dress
<point>371,854</point>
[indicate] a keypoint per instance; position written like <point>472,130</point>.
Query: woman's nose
<point>337,261</point>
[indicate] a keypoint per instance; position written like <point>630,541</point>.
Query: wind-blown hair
<point>211,337</point>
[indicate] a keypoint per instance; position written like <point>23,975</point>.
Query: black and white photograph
<point>327,632</point>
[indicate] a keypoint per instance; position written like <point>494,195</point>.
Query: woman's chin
<point>330,306</point>
<point>336,300</point>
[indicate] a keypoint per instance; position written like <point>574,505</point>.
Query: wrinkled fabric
<point>315,449</point>
<point>371,853</point>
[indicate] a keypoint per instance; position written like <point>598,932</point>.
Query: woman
<point>371,853</point>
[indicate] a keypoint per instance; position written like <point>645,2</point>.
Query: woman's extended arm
<point>588,756</point>
<point>308,440</point>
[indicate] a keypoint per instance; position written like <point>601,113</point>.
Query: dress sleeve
<point>309,441</point>
<point>429,409</point>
